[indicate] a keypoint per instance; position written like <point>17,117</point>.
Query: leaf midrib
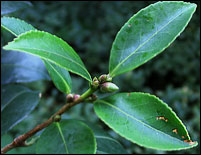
<point>66,85</point>
<point>62,137</point>
<point>128,115</point>
<point>145,42</point>
<point>23,50</point>
<point>13,98</point>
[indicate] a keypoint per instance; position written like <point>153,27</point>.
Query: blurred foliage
<point>90,28</point>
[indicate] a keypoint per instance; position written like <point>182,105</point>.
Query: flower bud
<point>95,83</point>
<point>102,78</point>
<point>57,118</point>
<point>109,79</point>
<point>76,96</point>
<point>69,98</point>
<point>108,87</point>
<point>105,78</point>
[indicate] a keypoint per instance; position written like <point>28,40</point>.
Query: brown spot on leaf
<point>182,137</point>
<point>187,141</point>
<point>128,94</point>
<point>175,131</point>
<point>129,25</point>
<point>190,142</point>
<point>163,118</point>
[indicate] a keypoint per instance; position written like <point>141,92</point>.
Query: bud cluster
<point>72,97</point>
<point>106,85</point>
<point>105,78</point>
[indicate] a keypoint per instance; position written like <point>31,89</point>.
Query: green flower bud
<point>105,78</point>
<point>108,87</point>
<point>109,79</point>
<point>95,83</point>
<point>102,78</point>
<point>57,118</point>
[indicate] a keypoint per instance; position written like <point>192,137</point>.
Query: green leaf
<point>50,48</point>
<point>21,67</point>
<point>15,26</point>
<point>12,6</point>
<point>148,33</point>
<point>16,103</point>
<point>66,137</point>
<point>60,76</point>
<point>105,143</point>
<point>144,119</point>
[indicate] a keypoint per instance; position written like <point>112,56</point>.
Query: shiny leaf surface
<point>60,76</point>
<point>21,67</point>
<point>67,137</point>
<point>15,26</point>
<point>144,119</point>
<point>12,6</point>
<point>16,103</point>
<point>148,33</point>
<point>50,48</point>
<point>105,143</point>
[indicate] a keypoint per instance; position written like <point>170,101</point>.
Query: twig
<point>20,140</point>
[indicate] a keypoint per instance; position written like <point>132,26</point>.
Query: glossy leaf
<point>105,143</point>
<point>60,76</point>
<point>144,119</point>
<point>12,6</point>
<point>66,137</point>
<point>21,67</point>
<point>16,103</point>
<point>15,26</point>
<point>50,48</point>
<point>148,33</point>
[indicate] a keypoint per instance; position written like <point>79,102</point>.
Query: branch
<point>20,141</point>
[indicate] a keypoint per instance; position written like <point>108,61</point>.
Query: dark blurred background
<point>90,28</point>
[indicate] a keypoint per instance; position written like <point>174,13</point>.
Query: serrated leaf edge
<point>43,32</point>
<point>110,72</point>
<point>190,146</point>
<point>4,17</point>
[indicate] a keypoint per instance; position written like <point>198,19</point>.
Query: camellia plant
<point>140,117</point>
